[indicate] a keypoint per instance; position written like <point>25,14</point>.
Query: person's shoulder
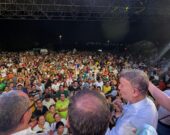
<point>149,104</point>
<point>63,120</point>
<point>66,100</point>
<point>58,101</point>
<point>44,107</point>
<point>47,124</point>
<point>149,101</point>
<point>167,92</point>
<point>52,100</point>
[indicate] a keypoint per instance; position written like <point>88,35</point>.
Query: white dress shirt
<point>163,114</point>
<point>135,116</point>
<point>27,131</point>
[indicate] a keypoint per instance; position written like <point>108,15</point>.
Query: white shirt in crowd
<point>3,72</point>
<point>163,114</point>
<point>99,84</point>
<point>135,116</point>
<point>46,128</point>
<point>53,126</point>
<point>41,88</point>
<point>49,103</point>
<point>55,87</point>
<point>27,131</point>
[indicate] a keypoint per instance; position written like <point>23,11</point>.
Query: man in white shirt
<point>48,101</point>
<point>139,109</point>
<point>164,118</point>
<point>55,85</point>
<point>99,82</point>
<point>42,125</point>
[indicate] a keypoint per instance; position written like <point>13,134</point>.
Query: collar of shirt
<point>138,104</point>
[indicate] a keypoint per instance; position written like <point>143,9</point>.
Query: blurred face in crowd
<point>61,88</point>
<point>49,89</point>
<point>39,104</point>
<point>11,85</point>
<point>33,87</point>
<point>109,99</point>
<point>62,97</point>
<point>98,89</point>
<point>31,98</point>
<point>46,91</point>
<point>41,120</point>
<point>75,84</point>
<point>20,80</point>
<point>55,81</point>
<point>7,89</point>
<point>39,83</point>
<point>126,89</point>
<point>107,84</point>
<point>60,130</point>
<point>19,87</point>
<point>57,117</point>
<point>52,109</point>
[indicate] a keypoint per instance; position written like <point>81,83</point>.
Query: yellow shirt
<point>106,89</point>
<point>33,107</point>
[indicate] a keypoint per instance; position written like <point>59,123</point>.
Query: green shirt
<point>49,118</point>
<point>2,86</point>
<point>62,105</point>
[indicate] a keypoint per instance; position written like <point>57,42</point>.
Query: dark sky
<point>45,32</point>
<point>29,34</point>
<point>152,25</point>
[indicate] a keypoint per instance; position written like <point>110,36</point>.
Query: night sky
<point>152,25</point>
<point>24,34</point>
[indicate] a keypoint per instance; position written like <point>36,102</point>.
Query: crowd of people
<point>63,89</point>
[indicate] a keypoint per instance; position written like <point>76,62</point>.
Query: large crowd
<point>51,79</point>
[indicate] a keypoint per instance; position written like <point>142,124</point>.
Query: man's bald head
<point>88,113</point>
<point>88,103</point>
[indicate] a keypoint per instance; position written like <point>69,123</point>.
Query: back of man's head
<point>88,113</point>
<point>12,107</point>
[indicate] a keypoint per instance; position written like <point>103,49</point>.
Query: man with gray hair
<point>15,114</point>
<point>139,110</point>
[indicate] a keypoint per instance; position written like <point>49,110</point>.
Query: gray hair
<point>12,107</point>
<point>137,78</point>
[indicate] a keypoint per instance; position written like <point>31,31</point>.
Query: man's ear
<point>67,122</point>
<point>136,92</point>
